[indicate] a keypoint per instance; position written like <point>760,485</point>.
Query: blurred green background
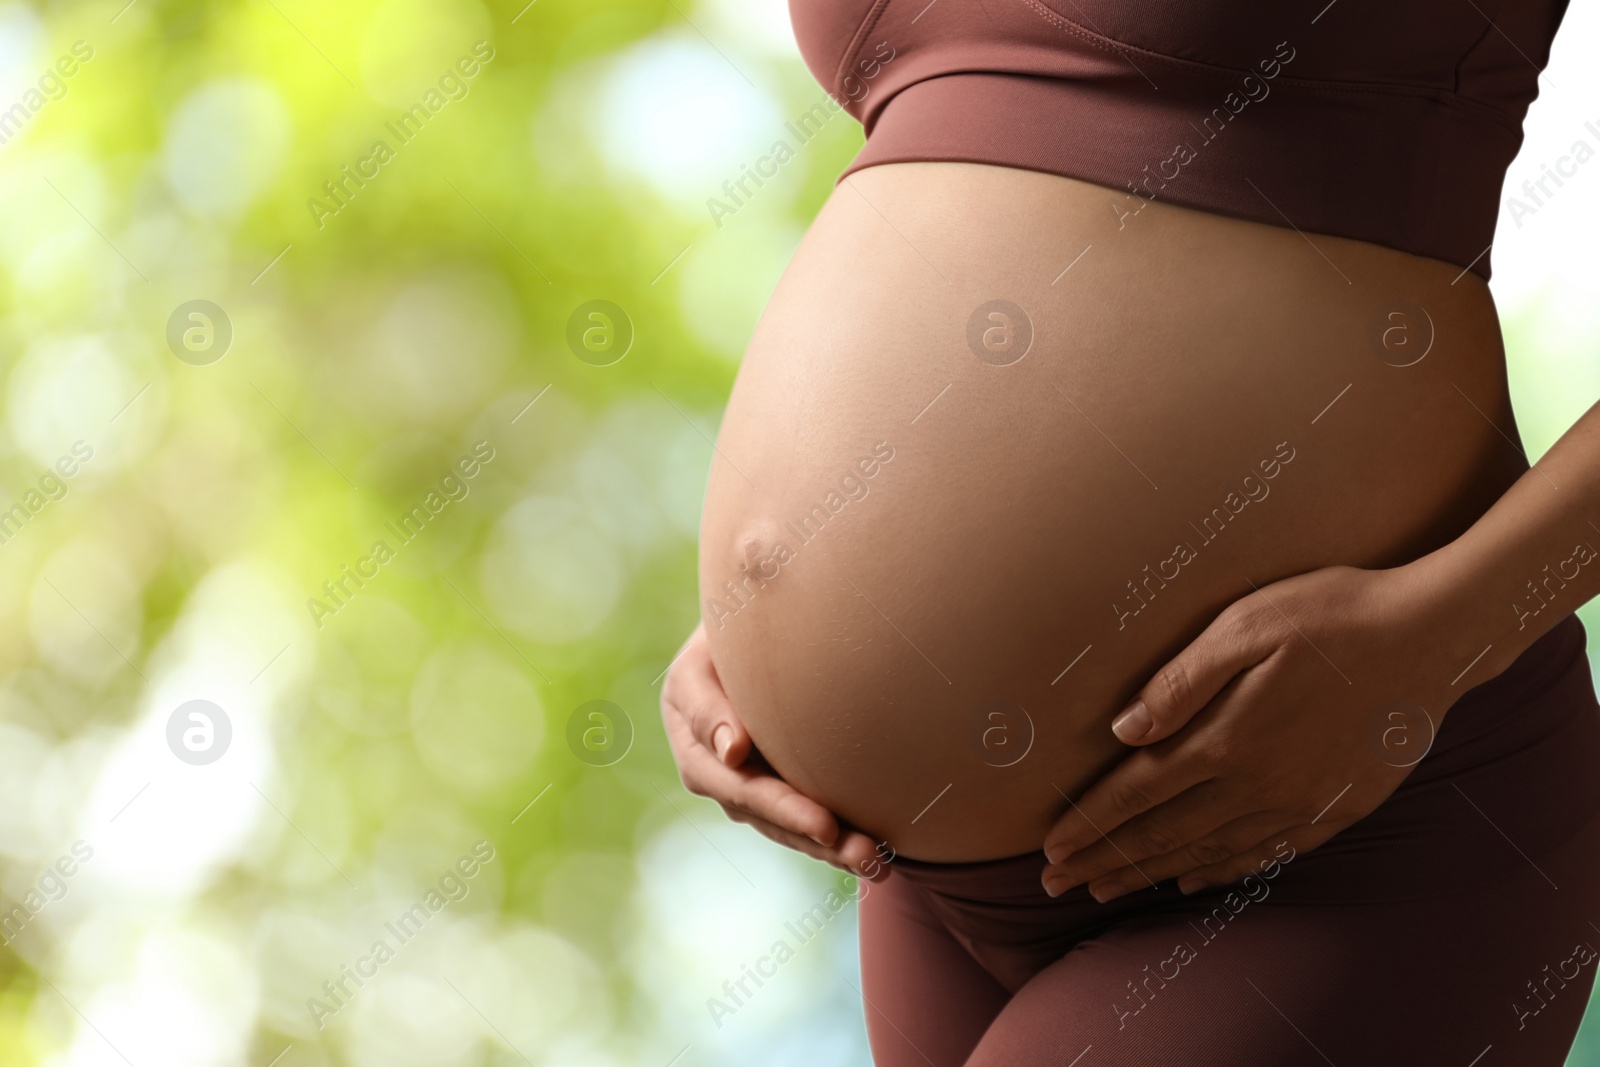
<point>359,348</point>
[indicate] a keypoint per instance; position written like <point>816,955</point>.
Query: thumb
<point>1189,681</point>
<point>730,741</point>
<point>715,723</point>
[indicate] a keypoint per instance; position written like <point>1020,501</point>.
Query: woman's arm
<point>1531,560</point>
<point>1283,701</point>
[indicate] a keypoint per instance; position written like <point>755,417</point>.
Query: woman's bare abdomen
<point>998,450</point>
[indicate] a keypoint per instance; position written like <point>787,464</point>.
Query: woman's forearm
<point>1529,562</point>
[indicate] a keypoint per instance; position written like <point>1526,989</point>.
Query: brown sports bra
<point>1378,120</point>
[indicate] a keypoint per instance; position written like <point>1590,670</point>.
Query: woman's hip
<point>1505,804</point>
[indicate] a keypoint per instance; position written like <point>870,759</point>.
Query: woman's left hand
<point>1301,708</point>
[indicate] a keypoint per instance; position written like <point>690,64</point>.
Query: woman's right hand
<point>716,759</point>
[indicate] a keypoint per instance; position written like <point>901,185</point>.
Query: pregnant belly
<point>997,451</point>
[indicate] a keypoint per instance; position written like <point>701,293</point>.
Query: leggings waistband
<point>1520,747</point>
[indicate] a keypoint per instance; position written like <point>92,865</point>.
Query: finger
<point>863,856</point>
<point>1165,828</point>
<point>757,792</point>
<point>712,718</point>
<point>1177,692</point>
<point>1137,784</point>
<point>1222,844</point>
<point>1279,849</point>
<point>769,797</point>
<point>854,853</point>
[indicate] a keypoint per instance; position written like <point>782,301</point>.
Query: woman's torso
<point>1205,405</point>
<point>1386,123</point>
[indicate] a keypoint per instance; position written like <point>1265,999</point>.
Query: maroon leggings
<point>1452,926</point>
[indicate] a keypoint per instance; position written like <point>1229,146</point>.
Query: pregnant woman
<point>1119,546</point>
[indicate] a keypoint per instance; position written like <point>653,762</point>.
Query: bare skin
<point>936,660</point>
<point>717,760</point>
<point>1227,774</point>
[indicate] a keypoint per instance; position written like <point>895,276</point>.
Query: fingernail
<point>1104,893</point>
<point>722,740</point>
<point>1053,888</point>
<point>1189,887</point>
<point>1133,723</point>
<point>1055,854</point>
